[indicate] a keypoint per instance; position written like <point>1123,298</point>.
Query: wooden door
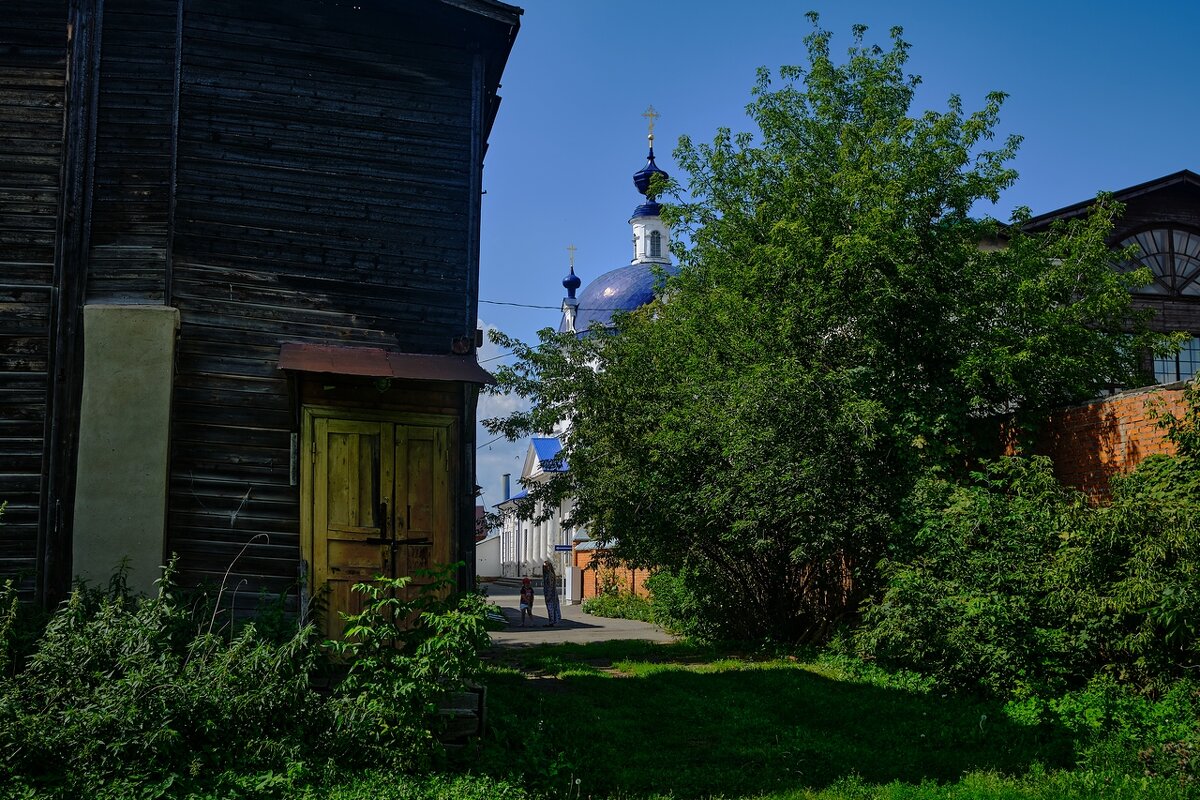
<point>381,506</point>
<point>353,467</point>
<point>422,498</point>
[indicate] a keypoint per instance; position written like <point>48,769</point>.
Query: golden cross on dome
<point>651,115</point>
<point>571,249</point>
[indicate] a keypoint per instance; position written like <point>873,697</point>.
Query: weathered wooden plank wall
<point>128,256</point>
<point>33,52</point>
<point>323,195</point>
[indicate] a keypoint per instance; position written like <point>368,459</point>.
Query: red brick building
<point>1090,443</point>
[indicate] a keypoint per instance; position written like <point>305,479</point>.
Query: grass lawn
<point>636,720</point>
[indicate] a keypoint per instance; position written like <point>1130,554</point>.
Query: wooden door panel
<point>422,499</point>
<point>352,460</point>
<point>353,481</point>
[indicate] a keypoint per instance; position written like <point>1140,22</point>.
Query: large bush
<point>1130,576</point>
<point>1017,584</point>
<point>975,603</point>
<point>125,696</point>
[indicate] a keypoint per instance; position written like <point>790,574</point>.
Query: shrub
<point>1123,731</point>
<point>972,607</point>
<point>619,605</point>
<point>407,648</point>
<point>1017,585</point>
<point>1128,577</point>
<point>148,690</point>
<point>161,696</point>
<point>676,608</point>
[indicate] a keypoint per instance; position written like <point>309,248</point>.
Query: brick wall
<point>1090,443</point>
<point>595,575</point>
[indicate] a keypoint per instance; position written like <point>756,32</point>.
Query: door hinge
<point>314,451</point>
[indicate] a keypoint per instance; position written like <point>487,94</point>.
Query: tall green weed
<point>409,646</point>
<point>164,696</point>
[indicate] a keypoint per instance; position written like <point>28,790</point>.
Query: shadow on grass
<point>711,727</point>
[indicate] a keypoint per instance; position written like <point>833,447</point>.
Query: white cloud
<point>495,457</point>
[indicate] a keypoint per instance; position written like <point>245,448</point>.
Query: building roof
<point>519,495</point>
<point>501,12</point>
<point>548,450</point>
<point>1185,177</point>
<point>622,289</point>
<point>375,362</point>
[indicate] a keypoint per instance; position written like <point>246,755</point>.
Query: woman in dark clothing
<point>550,593</point>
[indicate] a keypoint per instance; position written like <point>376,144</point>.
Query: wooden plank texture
<point>32,79</point>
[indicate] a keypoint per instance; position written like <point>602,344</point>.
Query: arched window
<point>1172,256</point>
<point>655,244</point>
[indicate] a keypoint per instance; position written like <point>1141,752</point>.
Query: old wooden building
<point>1092,442</point>
<point>238,286</point>
<point>1162,220</point>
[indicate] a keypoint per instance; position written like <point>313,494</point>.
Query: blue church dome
<point>622,289</point>
<point>571,282</point>
<point>642,178</point>
<point>648,209</point>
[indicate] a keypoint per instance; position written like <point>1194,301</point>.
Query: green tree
<point>838,327</point>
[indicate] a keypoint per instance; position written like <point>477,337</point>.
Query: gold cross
<point>571,249</point>
<point>651,115</point>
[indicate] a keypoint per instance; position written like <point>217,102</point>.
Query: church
<point>526,542</point>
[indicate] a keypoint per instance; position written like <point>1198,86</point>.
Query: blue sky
<point>1103,93</point>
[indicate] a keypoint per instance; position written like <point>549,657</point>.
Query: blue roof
<point>547,450</point>
<point>641,178</point>
<point>622,289</point>
<point>649,209</point>
<point>516,496</point>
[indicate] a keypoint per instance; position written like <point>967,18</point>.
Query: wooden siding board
<point>322,180</point>
<point>131,204</point>
<point>32,81</point>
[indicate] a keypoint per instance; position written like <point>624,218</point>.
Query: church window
<point>1179,367</point>
<point>655,244</point>
<point>1173,257</point>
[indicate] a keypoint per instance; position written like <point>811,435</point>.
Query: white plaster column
<point>124,432</point>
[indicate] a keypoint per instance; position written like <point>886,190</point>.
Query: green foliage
<point>164,697</point>
<point>1016,585</point>
<point>973,606</point>
<point>1184,430</point>
<point>676,608</point>
<point>1121,730</point>
<point>1128,577</point>
<point>619,605</point>
<point>834,329</point>
<point>411,644</point>
<point>147,691</point>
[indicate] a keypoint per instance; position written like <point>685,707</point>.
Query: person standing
<point>526,601</point>
<point>550,593</point>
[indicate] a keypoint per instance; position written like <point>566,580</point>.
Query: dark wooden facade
<point>33,74</point>
<point>278,172</point>
<point>1172,201</point>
